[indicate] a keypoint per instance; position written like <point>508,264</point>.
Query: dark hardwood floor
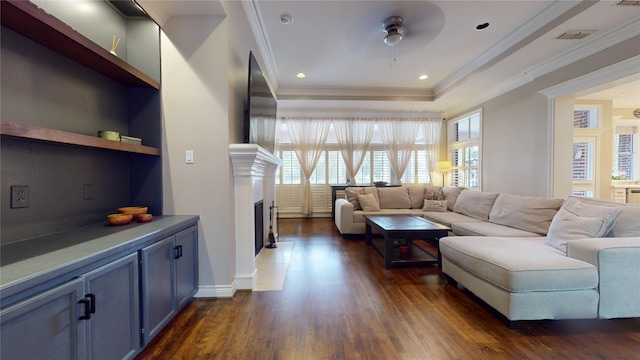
<point>339,302</point>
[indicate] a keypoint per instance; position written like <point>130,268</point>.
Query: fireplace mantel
<point>254,175</point>
<point>252,160</point>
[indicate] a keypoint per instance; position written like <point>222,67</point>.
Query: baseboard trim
<point>246,281</point>
<point>216,291</point>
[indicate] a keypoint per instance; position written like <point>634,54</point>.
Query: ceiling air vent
<point>575,34</point>
<point>629,3</point>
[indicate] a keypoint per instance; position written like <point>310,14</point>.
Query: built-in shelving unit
<point>54,108</point>
<point>32,22</point>
<point>64,137</point>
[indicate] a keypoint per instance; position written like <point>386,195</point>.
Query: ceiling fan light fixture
<point>393,30</point>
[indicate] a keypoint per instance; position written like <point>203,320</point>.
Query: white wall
<point>204,87</point>
<point>195,115</point>
<point>519,134</point>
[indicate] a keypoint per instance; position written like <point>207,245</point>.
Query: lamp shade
<point>443,165</point>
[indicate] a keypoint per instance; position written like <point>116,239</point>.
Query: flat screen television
<point>261,107</point>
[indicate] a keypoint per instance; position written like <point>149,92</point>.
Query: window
<point>625,153</point>
<point>586,150</point>
<point>332,170</point>
<point>464,136</point>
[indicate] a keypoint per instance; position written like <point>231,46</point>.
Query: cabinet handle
<point>176,252</point>
<point>87,309</point>
<point>92,299</point>
<point>180,250</point>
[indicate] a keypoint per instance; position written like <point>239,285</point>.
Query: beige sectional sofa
<point>532,258</point>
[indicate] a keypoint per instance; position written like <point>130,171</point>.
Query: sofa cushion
<point>368,202</point>
<point>435,205</point>
<point>518,264</point>
<point>447,218</point>
<point>451,194</point>
<point>352,196</point>
<point>358,216</point>
<point>578,220</point>
<point>476,204</point>
<point>416,194</point>
<point>626,225</point>
<point>528,213</point>
<point>394,198</point>
<point>485,228</point>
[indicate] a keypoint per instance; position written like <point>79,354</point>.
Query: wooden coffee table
<point>408,228</point>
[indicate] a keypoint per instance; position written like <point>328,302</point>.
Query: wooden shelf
<point>64,137</point>
<point>34,23</point>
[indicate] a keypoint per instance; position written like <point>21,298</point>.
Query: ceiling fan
<point>393,30</point>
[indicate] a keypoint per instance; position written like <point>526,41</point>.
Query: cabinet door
<point>186,265</point>
<point>114,327</point>
<point>158,288</point>
<point>46,326</point>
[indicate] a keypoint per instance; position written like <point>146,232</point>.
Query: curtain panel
<point>354,137</point>
<point>308,136</point>
<point>431,129</point>
<point>399,137</point>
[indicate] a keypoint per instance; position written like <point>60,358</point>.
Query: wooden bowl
<point>119,219</point>
<point>133,210</point>
<point>143,218</point>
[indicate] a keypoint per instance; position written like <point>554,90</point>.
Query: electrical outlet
<point>19,197</point>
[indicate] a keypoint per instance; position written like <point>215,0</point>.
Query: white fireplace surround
<point>254,179</point>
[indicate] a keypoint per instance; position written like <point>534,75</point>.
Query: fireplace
<point>258,220</point>
<point>254,181</point>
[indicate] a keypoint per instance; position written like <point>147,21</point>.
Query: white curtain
<point>431,130</point>
<point>308,136</point>
<point>399,138</point>
<point>263,132</point>
<point>354,137</point>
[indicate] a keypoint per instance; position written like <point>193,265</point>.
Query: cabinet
<point>170,278</point>
<point>113,331</point>
<point>619,195</point>
<point>92,317</point>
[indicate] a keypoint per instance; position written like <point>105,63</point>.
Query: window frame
<point>463,146</point>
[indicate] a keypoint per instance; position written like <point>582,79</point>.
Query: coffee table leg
<point>367,234</point>
<point>388,250</point>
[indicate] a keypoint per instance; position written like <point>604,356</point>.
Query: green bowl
<point>109,135</point>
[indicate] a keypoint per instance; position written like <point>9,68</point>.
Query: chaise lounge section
<point>587,267</point>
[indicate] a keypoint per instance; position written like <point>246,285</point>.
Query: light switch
<point>189,156</point>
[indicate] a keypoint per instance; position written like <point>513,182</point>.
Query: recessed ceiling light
<point>286,19</point>
<point>301,75</point>
<point>482,26</point>
<point>422,77</point>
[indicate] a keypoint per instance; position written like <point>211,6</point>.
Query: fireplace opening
<point>258,218</point>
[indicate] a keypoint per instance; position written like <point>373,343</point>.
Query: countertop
<point>28,264</point>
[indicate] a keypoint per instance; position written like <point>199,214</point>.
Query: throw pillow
<point>352,197</point>
<point>368,202</point>
<point>435,205</point>
<point>576,220</point>
<point>434,193</point>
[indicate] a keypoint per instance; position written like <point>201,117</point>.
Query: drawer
<point>619,192</point>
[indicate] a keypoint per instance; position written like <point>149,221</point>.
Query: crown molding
<point>257,28</point>
<point>588,47</point>
<point>529,31</point>
<point>619,70</point>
